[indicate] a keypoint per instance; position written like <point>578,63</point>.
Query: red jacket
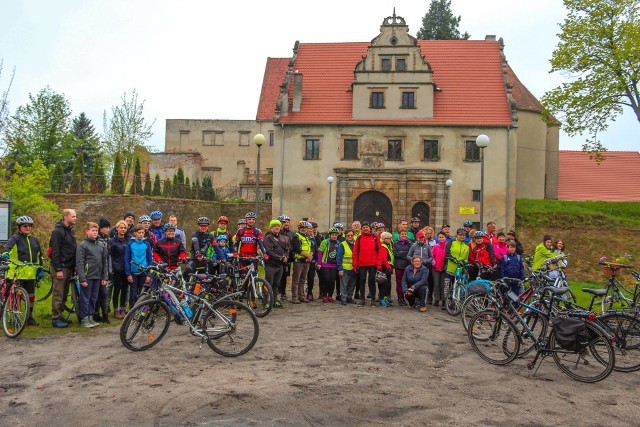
<point>367,252</point>
<point>482,253</point>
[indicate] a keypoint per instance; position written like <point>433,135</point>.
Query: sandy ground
<point>313,364</point>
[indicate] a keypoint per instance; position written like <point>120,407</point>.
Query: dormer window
<point>401,64</point>
<point>386,64</point>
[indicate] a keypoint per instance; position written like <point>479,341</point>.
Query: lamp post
<point>482,141</point>
<point>258,140</point>
<point>449,183</point>
<point>330,180</point>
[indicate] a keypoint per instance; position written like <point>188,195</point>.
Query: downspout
<point>282,169</point>
<point>507,198</point>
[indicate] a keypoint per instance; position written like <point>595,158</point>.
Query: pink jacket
<point>438,252</point>
<point>499,249</point>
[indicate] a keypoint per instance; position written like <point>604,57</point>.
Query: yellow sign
<point>467,210</point>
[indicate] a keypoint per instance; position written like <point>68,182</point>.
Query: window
<point>475,195</point>
<point>350,149</point>
<point>244,137</point>
<point>401,65</point>
<point>394,149</point>
<point>377,99</point>
<point>472,152</point>
<point>184,138</point>
<point>431,151</point>
<point>218,138</point>
<point>272,138</point>
<point>408,100</point>
<point>312,149</point>
<point>386,64</point>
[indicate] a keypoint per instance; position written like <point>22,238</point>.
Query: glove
<point>5,256</point>
<point>39,273</point>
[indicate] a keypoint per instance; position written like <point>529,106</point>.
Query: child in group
<point>139,251</point>
<point>512,267</point>
<point>221,251</point>
<point>92,270</point>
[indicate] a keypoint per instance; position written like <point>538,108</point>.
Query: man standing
<point>223,222</point>
<point>63,262</point>
<point>490,235</point>
<point>277,247</point>
<point>249,239</point>
<point>156,225</point>
<point>202,239</point>
<point>169,250</point>
<point>179,231</point>
<point>303,254</point>
<point>357,228</point>
<point>403,225</point>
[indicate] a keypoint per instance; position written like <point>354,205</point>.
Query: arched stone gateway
<point>421,210</point>
<point>373,206</point>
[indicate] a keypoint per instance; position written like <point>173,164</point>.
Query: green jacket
<point>458,250</point>
<point>541,254</point>
<point>23,248</point>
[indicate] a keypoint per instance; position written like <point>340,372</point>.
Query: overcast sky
<point>205,59</point>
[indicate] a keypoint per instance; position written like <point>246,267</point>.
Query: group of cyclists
<point>352,264</point>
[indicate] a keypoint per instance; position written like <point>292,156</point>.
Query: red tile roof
<point>524,99</point>
<point>467,72</point>
<point>615,179</point>
<point>274,74</point>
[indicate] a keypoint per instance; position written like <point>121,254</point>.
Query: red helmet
<point>223,219</point>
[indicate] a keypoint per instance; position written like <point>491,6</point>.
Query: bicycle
<point>496,339</point>
<point>256,290</point>
<point>14,300</point>
<point>228,327</point>
<point>44,284</point>
<point>455,292</point>
<point>614,295</point>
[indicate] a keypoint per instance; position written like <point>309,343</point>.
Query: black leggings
<point>119,290</point>
<point>367,275</point>
<point>327,278</point>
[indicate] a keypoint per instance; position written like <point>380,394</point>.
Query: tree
<point>439,23</point>
<point>40,130</point>
<point>207,188</point>
<point>98,182</point>
<point>117,180</point>
<point>58,180</point>
<point>156,186</point>
<point>126,130</point>
<point>77,176</point>
<point>599,49</point>
<point>136,185</point>
<point>167,191</point>
<point>88,142</point>
<point>178,183</point>
<point>4,105</point>
<point>197,189</point>
<point>187,194</point>
<point>147,185</point>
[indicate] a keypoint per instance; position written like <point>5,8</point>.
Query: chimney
<point>297,91</point>
<point>490,38</point>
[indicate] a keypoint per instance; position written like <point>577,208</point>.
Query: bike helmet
<point>156,215</point>
<point>478,234</point>
<point>24,220</point>
<point>203,220</point>
<point>415,219</point>
<point>338,225</point>
<point>284,218</point>
<point>222,237</point>
<point>251,215</point>
<point>242,221</point>
<point>461,231</point>
<point>468,223</point>
<point>374,225</point>
<point>168,226</point>
<point>302,224</point>
<point>333,230</point>
<point>144,218</point>
<point>380,225</point>
<point>223,219</point>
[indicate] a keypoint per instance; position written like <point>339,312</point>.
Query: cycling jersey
<point>248,240</point>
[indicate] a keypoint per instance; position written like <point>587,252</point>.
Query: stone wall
<point>91,207</point>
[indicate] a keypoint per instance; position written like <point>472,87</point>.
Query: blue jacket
<point>221,254</point>
<point>417,281</point>
<point>117,249</point>
<point>511,266</point>
<point>138,251</point>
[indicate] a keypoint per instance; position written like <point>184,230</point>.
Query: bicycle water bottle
<point>170,303</point>
<point>185,306</point>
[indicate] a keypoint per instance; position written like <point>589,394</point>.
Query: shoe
<point>67,321</point>
<point>96,317</point>
<point>343,302</point>
<point>436,303</point>
<point>309,297</point>
<point>93,321</point>
<point>385,302</point>
<point>86,322</point>
<point>325,299</point>
<point>362,303</point>
<point>402,302</point>
<point>32,322</point>
<point>59,323</point>
<point>444,307</point>
<point>295,301</point>
<point>423,309</point>
<point>373,303</point>
<point>277,304</point>
<point>105,320</point>
<point>330,299</point>
<point>304,300</point>
<point>283,297</point>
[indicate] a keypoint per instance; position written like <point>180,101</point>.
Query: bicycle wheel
<point>260,298</point>
<point>626,330</point>
<point>591,364</point>
<point>538,324</point>
<point>145,325</point>
<point>72,304</point>
<point>231,328</point>
<point>15,312</point>
<point>472,305</point>
<point>493,337</point>
<point>454,300</point>
<point>44,285</point>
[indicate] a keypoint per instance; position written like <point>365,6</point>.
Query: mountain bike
<point>455,293</point>
<point>496,339</point>
<point>229,327</point>
<point>257,292</point>
<point>14,300</point>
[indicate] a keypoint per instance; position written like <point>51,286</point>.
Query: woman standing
<point>117,249</point>
<point>438,269</point>
<point>328,265</point>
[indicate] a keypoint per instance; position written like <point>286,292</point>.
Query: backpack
<point>571,334</point>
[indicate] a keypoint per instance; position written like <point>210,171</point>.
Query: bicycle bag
<point>479,287</point>
<point>571,334</point>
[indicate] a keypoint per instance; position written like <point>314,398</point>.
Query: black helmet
<point>24,220</point>
<point>203,220</point>
<point>168,226</point>
<point>478,234</point>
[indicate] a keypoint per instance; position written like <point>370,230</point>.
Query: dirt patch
<point>314,364</point>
